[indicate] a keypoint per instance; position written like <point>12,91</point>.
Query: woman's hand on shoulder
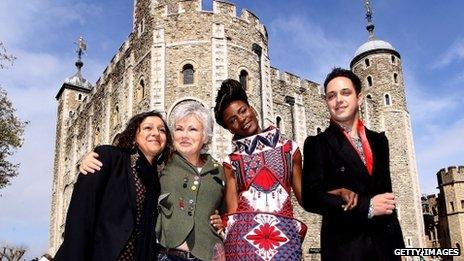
<point>90,163</point>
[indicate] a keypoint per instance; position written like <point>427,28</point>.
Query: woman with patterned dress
<point>260,175</point>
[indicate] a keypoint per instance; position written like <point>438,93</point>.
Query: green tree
<point>11,127</point>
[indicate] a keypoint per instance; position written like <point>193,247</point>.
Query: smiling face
<point>342,101</point>
<point>240,119</point>
<point>151,137</point>
<point>189,136</point>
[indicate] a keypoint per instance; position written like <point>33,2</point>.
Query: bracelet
<point>370,214</point>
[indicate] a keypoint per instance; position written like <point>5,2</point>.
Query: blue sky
<point>307,38</point>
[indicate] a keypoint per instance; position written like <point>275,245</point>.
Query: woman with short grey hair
<point>188,108</point>
<point>192,190</point>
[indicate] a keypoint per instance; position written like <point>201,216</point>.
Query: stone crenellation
<point>452,174</point>
<point>147,72</point>
<point>450,232</point>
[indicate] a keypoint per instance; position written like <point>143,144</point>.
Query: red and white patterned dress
<point>263,227</point>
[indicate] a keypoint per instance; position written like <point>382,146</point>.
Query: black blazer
<point>101,214</point>
<point>331,162</point>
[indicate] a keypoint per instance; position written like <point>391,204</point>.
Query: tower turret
<point>71,94</point>
<point>378,65</point>
<point>451,186</point>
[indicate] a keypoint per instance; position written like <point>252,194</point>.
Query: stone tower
<point>174,39</point>
<point>378,65</point>
<point>71,95</point>
<point>451,185</point>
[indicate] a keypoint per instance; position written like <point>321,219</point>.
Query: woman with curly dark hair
<point>112,214</point>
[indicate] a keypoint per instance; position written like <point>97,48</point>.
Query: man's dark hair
<point>231,90</point>
<point>340,72</point>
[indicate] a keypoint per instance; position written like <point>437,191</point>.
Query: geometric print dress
<point>263,227</point>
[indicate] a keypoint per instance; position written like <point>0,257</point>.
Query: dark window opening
<point>318,130</point>
<point>395,77</point>
<point>369,81</point>
<point>142,88</point>
<point>387,100</point>
<point>187,73</point>
<point>244,79</point>
<point>279,122</point>
<point>393,59</point>
<point>367,62</point>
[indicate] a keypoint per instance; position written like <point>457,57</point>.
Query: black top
<point>331,162</point>
<point>102,212</point>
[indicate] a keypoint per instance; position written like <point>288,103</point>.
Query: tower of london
<point>177,51</point>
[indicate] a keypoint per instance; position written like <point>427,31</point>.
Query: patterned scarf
<point>366,153</point>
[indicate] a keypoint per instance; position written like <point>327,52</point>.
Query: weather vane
<point>367,4</point>
<point>370,25</point>
<point>81,47</point>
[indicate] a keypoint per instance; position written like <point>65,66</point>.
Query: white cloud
<point>428,107</point>
<point>441,147</point>
<point>36,21</point>
<point>438,121</point>
<point>316,50</point>
<point>453,53</point>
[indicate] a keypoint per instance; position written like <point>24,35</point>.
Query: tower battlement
<point>219,8</point>
<point>109,68</point>
<point>293,80</point>
<point>452,174</point>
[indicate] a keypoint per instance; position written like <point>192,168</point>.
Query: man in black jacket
<point>346,179</point>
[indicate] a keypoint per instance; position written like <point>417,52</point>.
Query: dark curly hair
<point>126,138</point>
<point>231,90</point>
<point>340,72</point>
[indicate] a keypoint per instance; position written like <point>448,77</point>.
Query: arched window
<point>79,97</point>
<point>393,59</point>
<point>369,81</point>
<point>244,79</point>
<point>387,99</point>
<point>395,77</point>
<point>142,88</point>
<point>278,122</point>
<point>367,62</point>
<point>187,74</point>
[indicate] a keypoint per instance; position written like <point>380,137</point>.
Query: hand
<point>90,164</point>
<point>350,197</point>
<point>216,221</point>
<point>383,204</point>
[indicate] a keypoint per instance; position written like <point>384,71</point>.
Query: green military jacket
<point>188,198</point>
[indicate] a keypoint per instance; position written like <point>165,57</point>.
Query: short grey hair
<point>187,108</point>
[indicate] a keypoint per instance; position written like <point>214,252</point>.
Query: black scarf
<point>145,240</point>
